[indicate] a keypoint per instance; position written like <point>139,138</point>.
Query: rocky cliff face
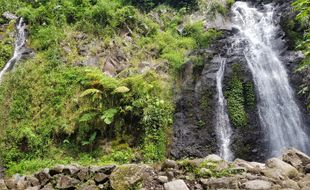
<point>291,171</point>
<point>194,127</point>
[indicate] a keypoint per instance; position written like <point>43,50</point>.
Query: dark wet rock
<point>71,170</point>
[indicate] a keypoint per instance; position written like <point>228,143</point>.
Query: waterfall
<point>18,49</point>
<point>223,127</point>
<point>278,111</point>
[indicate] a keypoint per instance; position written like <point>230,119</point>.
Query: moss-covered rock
<point>128,176</point>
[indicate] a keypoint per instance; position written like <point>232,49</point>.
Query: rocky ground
<point>290,171</point>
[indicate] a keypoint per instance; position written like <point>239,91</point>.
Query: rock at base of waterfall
<point>279,169</point>
<point>258,185</point>
<point>176,185</point>
<point>213,158</point>
<point>296,158</point>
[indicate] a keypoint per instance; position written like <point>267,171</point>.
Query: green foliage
<point>38,111</point>
<point>156,120</point>
<point>75,110</point>
<point>202,37</point>
<point>302,7</point>
<point>216,7</point>
<point>235,99</point>
<point>6,45</point>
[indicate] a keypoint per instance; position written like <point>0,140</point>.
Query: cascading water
<point>223,127</point>
<point>278,111</point>
<point>18,49</point>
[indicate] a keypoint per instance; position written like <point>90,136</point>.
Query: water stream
<point>223,126</point>
<point>19,49</point>
<point>278,110</point>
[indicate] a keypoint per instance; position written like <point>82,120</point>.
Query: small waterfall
<point>223,127</point>
<point>18,49</point>
<point>278,111</point>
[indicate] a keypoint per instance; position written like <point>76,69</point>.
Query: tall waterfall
<point>18,49</point>
<point>223,127</point>
<point>278,111</point>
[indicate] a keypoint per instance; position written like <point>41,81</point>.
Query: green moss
<point>249,95</point>
<point>235,99</point>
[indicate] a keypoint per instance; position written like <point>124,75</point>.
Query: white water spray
<point>278,111</point>
<point>223,127</point>
<point>18,49</point>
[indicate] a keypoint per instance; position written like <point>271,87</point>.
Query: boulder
<point>126,176</point>
<point>213,158</point>
<point>83,174</point>
<point>56,170</point>
<point>48,186</point>
<point>43,176</point>
<point>2,185</point>
<point>11,183</point>
<point>296,158</point>
<point>257,185</point>
<point>22,184</point>
<point>33,181</point>
<point>176,185</point>
<point>34,188</point>
<point>163,179</point>
<point>304,183</point>
<point>71,170</point>
<point>170,164</point>
<point>288,183</point>
<point>220,183</point>
<point>89,187</point>
<point>65,182</point>
<point>252,167</point>
<point>101,177</point>
<point>278,168</point>
<point>102,169</point>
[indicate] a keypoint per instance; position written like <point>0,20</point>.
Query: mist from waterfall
<point>20,41</point>
<point>278,110</point>
<point>223,127</point>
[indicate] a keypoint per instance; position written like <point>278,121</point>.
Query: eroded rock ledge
<point>290,171</point>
